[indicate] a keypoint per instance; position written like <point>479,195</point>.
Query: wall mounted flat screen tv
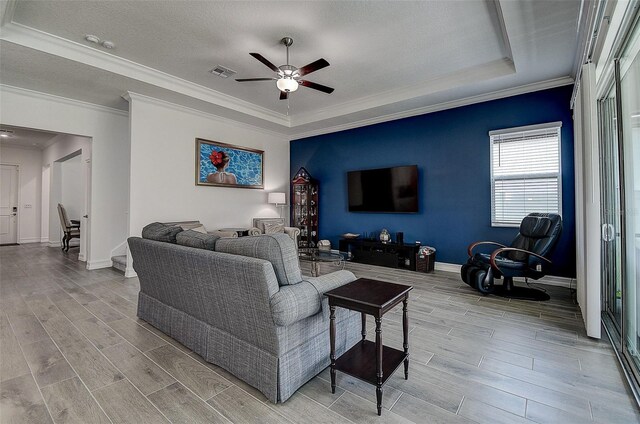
<point>384,190</point>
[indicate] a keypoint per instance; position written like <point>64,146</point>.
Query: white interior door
<point>8,204</point>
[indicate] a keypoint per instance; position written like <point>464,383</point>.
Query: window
<point>525,173</point>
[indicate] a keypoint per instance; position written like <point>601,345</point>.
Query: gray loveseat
<point>243,306</point>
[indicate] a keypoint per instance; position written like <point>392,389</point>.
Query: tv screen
<point>384,190</point>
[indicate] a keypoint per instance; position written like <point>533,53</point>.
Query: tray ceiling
<point>387,58</point>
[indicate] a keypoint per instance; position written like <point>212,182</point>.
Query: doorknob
<point>608,232</point>
<point>85,216</point>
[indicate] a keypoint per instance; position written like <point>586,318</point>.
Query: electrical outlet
<point>539,267</point>
<point>27,206</point>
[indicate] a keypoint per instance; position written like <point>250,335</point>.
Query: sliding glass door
<point>611,240</point>
<point>628,75</point>
<point>619,133</point>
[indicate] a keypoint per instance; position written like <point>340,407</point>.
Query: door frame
<point>55,176</point>
<point>19,199</point>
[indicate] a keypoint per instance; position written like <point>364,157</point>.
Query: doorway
<point>67,203</point>
<point>8,204</point>
<point>39,170</point>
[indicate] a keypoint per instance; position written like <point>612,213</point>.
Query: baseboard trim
<point>104,263</point>
<point>29,240</point>
<point>553,280</point>
<point>44,240</point>
<point>130,273</point>
<point>447,267</point>
<point>55,244</point>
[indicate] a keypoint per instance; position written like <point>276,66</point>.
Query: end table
<point>370,362</point>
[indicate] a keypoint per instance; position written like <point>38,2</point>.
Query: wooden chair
<point>71,229</point>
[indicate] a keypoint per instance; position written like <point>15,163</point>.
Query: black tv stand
<point>373,252</point>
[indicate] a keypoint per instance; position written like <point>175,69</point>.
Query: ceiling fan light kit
<point>287,84</point>
<point>288,76</point>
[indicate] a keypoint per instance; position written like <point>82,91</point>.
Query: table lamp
<point>278,199</point>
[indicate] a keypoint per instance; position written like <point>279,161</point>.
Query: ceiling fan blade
<point>316,86</point>
<point>312,67</point>
<point>284,95</point>
<point>255,79</point>
<point>261,58</point>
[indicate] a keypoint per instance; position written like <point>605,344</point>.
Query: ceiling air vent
<point>222,72</point>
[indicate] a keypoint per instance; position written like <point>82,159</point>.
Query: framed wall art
<point>225,165</point>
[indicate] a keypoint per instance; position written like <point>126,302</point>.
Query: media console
<point>392,255</point>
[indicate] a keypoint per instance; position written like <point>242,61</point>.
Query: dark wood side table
<point>371,362</point>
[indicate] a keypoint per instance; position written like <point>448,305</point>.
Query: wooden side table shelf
<point>370,362</point>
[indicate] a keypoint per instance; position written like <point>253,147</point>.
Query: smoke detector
<point>6,133</point>
<point>222,72</point>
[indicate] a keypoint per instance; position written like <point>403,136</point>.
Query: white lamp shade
<point>288,85</point>
<point>276,198</point>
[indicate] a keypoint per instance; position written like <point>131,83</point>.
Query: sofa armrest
<point>292,232</point>
<point>254,231</point>
<point>298,301</point>
<point>330,281</point>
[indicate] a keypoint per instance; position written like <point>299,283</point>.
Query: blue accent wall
<point>451,149</point>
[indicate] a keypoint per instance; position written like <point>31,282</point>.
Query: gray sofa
<point>243,306</point>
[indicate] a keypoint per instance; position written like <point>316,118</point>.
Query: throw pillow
<point>273,228</point>
<point>279,249</point>
<point>193,238</point>
<point>161,232</point>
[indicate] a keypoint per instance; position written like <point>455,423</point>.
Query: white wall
<point>72,195</point>
<point>163,168</point>
<point>108,130</point>
<point>29,163</point>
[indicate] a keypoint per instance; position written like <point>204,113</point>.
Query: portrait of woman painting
<point>224,165</point>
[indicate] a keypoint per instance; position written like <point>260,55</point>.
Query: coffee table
<point>316,256</point>
<point>370,362</point>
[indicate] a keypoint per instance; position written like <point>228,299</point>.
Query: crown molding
<point>490,70</point>
<point>130,95</point>
<point>523,89</point>
<point>503,28</point>
<point>7,9</point>
<point>39,40</point>
<point>52,97</point>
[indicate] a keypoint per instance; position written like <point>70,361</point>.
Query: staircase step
<point>119,262</point>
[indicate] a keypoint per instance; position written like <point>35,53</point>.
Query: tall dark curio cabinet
<point>304,208</point>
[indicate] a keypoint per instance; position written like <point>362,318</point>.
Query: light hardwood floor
<point>73,351</point>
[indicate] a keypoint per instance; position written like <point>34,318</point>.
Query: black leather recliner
<point>526,257</point>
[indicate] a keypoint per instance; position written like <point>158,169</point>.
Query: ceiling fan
<point>288,77</point>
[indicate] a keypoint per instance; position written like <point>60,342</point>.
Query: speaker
<point>400,237</point>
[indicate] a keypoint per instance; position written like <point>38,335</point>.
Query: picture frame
<point>226,165</point>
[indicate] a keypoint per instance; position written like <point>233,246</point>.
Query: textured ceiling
<point>386,57</point>
<point>27,138</point>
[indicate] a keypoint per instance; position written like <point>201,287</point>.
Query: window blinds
<point>525,173</point>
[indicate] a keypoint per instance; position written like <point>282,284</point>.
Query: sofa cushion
<point>194,238</point>
<point>161,232</point>
<point>278,249</point>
